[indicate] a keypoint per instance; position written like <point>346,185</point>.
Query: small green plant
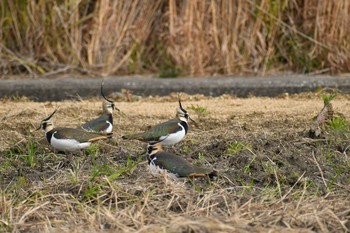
<point>327,98</point>
<point>246,187</point>
<point>74,172</point>
<point>92,191</point>
<point>236,147</point>
<point>126,168</point>
<point>199,110</point>
<point>30,157</point>
<point>26,153</point>
<point>101,169</point>
<point>339,124</point>
<point>186,149</point>
<point>21,182</point>
<point>92,151</point>
<point>201,156</point>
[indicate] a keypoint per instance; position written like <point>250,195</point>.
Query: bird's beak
<point>38,128</point>
<point>120,112</point>
<point>195,123</point>
<point>115,108</point>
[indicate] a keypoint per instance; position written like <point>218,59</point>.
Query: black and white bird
<point>104,123</point>
<point>167,133</point>
<point>69,139</point>
<point>160,159</point>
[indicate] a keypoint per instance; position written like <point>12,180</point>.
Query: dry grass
<point>272,177</point>
<point>174,38</point>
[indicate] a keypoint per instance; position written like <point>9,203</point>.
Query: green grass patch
<point>199,110</point>
<point>236,147</point>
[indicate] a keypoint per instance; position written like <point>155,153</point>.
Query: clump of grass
<point>339,124</point>
<point>93,151</point>
<point>327,98</point>
<point>236,147</point>
<point>25,152</point>
<point>199,110</point>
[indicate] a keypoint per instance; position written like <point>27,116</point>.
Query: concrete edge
<point>57,89</point>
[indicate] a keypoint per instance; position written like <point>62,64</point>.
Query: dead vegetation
<point>172,38</point>
<point>273,177</point>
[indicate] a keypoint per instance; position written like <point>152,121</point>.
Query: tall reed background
<point>174,37</point>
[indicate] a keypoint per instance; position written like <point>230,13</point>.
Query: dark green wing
<point>98,124</point>
<point>163,129</point>
<point>77,134</point>
<point>178,165</point>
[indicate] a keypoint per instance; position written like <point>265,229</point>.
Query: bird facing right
<point>104,123</point>
<point>167,133</point>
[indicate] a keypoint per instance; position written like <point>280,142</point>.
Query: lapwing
<point>104,123</point>
<point>158,158</point>
<point>69,139</point>
<point>167,133</point>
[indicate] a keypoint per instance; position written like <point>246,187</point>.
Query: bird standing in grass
<point>167,133</point>
<point>69,139</point>
<point>104,123</point>
<point>158,158</point>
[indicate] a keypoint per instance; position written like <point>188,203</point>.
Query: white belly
<point>172,139</point>
<point>157,171</point>
<point>68,144</point>
<point>110,127</point>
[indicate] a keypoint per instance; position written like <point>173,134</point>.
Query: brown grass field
<point>272,176</point>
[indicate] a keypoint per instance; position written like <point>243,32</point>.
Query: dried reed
<point>174,37</point>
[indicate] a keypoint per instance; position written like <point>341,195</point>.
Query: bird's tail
<point>101,137</point>
<point>210,174</point>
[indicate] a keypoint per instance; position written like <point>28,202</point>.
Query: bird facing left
<point>69,139</point>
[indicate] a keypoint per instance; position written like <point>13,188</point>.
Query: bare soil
<point>272,175</point>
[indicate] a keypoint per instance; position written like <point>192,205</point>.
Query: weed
<point>199,110</point>
<point>101,169</point>
<point>338,124</point>
<point>30,157</point>
<point>26,153</point>
<point>92,191</point>
<point>236,147</point>
<point>247,186</point>
<point>75,171</point>
<point>126,168</point>
<point>186,149</point>
<point>269,193</point>
<point>201,156</point>
<point>93,151</point>
<point>247,167</point>
<point>327,98</point>
<point>21,182</point>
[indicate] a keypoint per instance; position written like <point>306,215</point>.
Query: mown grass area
<point>272,175</point>
<point>173,38</point>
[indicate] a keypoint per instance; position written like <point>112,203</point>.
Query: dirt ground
<point>272,176</point>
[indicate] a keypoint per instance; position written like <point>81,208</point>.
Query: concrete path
<point>55,89</point>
